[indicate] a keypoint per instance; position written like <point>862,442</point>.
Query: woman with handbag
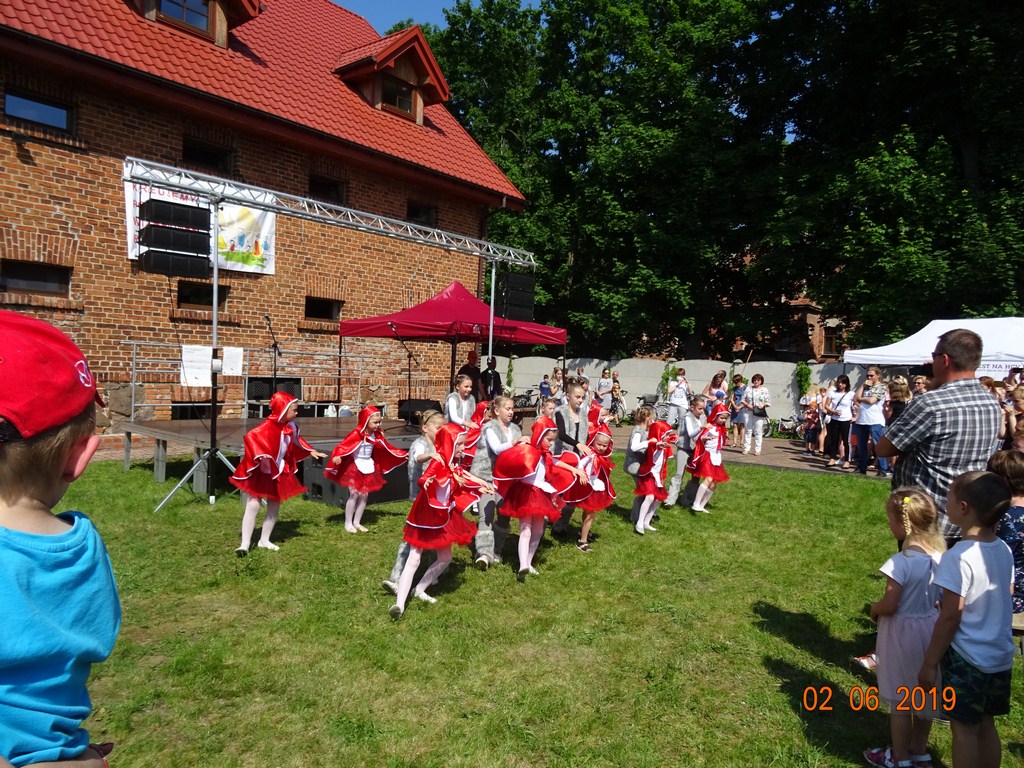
<point>756,402</point>
<point>839,407</point>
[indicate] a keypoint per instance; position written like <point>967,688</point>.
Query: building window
<point>327,189</point>
<point>43,112</point>
<point>398,95</point>
<point>421,213</point>
<point>202,156</point>
<point>831,345</point>
<point>323,309</point>
<point>200,295</point>
<point>192,13</point>
<point>33,277</point>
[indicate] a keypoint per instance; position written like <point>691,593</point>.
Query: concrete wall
<point>641,376</point>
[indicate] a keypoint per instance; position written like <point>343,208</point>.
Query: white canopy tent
<point>1002,340</point>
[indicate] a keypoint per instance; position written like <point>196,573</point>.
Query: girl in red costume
<point>531,481</point>
<point>267,470</point>
<point>436,520</point>
<point>481,416</point>
<point>599,494</point>
<point>359,462</point>
<point>650,480</point>
<point>706,463</point>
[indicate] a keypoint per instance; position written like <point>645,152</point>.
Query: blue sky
<point>382,14</point>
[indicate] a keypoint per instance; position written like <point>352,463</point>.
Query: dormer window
<point>397,95</point>
<point>194,14</point>
<point>396,74</point>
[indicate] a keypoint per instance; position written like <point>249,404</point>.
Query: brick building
<point>300,97</point>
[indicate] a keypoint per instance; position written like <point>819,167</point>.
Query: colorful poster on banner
<point>247,235</point>
<point>246,240</point>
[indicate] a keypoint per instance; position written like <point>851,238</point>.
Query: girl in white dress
<point>906,616</point>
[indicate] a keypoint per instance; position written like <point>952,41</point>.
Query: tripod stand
<point>215,368</point>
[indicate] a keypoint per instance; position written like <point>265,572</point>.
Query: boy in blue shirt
<point>61,609</point>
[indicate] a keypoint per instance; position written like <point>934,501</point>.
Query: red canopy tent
<point>454,315</point>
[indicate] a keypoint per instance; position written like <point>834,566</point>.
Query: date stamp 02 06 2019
<point>916,699</point>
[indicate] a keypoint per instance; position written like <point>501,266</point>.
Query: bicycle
<point>787,427</point>
<point>660,407</point>
<point>527,400</point>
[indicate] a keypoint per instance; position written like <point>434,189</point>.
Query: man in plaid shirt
<point>949,430</point>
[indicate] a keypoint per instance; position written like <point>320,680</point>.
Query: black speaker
<point>175,214</point>
<point>409,411</point>
<point>517,295</point>
<point>175,264</point>
<point>171,239</point>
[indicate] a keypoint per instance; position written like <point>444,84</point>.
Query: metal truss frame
<point>148,173</point>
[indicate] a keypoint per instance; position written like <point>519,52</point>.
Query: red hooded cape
<point>272,454</point>
<point>700,464</point>
<point>647,483</point>
<point>515,469</point>
<point>386,456</point>
<point>436,518</point>
<point>592,498</point>
<point>480,417</point>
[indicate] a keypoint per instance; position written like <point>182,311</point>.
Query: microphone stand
<point>277,353</point>
<point>408,381</point>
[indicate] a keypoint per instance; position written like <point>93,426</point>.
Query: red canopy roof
<point>452,315</point>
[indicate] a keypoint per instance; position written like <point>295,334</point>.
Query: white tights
<point>531,531</point>
<point>354,511</point>
<point>252,509</point>
<point>647,510</point>
<point>430,576</point>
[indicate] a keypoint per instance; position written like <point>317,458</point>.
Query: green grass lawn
<point>692,646</point>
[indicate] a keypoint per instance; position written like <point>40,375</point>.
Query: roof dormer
<point>396,74</point>
<point>212,19</point>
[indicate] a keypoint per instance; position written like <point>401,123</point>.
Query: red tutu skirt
<point>596,501</point>
<point>645,486</point>
<point>704,468</point>
<point>526,500</point>
<point>458,530</point>
<point>263,486</point>
<point>352,478</point>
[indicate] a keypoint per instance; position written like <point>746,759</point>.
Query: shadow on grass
<point>805,631</point>
<point>824,707</point>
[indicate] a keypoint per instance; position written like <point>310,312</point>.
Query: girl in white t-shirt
<point>906,617</point>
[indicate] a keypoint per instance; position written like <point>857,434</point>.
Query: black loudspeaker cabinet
<point>319,488</point>
<point>517,295</point>
<point>175,264</point>
<point>409,410</point>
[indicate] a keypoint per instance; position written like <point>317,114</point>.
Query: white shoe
<point>650,528</point>
<point>639,528</point>
<point>268,545</point>
<point>390,586</point>
<point>425,597</point>
<point>350,529</point>
<point>482,563</point>
<point>696,508</point>
<point>533,571</point>
<point>362,528</point>
<point>395,611</point>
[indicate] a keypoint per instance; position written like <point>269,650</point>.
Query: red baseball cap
<point>44,378</point>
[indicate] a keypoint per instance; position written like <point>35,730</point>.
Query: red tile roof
<point>281,63</point>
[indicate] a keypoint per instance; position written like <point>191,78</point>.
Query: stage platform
<point>322,433</point>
